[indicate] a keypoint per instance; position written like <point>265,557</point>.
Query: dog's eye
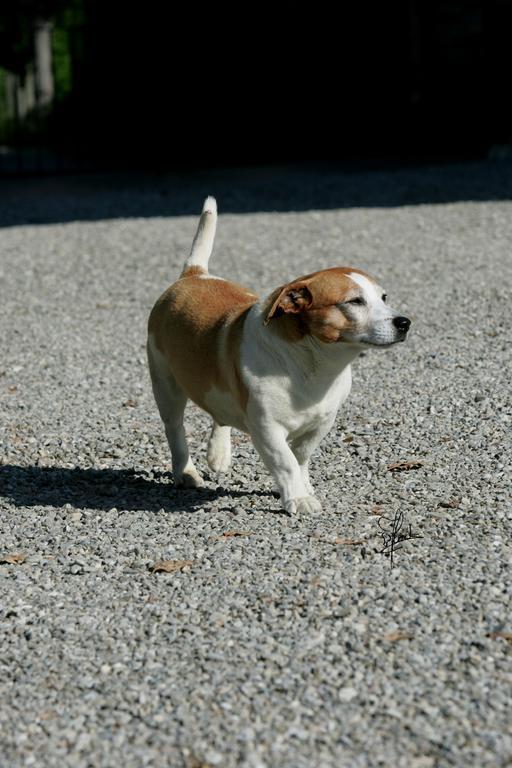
<point>384,297</point>
<point>357,300</point>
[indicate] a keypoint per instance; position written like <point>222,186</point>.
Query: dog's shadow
<point>103,489</point>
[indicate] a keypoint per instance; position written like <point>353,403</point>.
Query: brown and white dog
<point>277,368</point>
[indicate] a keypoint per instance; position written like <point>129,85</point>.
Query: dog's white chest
<point>304,406</point>
<point>316,403</point>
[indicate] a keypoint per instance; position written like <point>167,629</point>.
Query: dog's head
<point>337,305</point>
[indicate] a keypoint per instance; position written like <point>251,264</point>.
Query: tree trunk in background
<point>20,94</point>
<point>43,63</point>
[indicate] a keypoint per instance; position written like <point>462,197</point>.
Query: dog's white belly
<point>225,409</point>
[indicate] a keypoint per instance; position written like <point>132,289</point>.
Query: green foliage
<point>66,39</point>
<point>62,67</point>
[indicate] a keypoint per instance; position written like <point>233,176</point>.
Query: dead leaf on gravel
<point>452,504</point>
<point>404,466</point>
<point>130,403</point>
<point>231,534</point>
<point>47,714</point>
<point>348,542</point>
<point>13,559</point>
<point>348,439</point>
<point>195,762</point>
<point>393,637</point>
<point>504,635</point>
<point>170,566</point>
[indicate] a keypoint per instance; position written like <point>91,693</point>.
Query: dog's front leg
<point>278,457</point>
<point>304,446</point>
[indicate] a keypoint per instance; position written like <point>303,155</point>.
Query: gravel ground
<point>293,644</point>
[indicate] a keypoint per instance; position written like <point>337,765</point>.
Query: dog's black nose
<point>402,323</point>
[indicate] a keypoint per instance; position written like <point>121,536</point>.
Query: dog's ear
<point>293,298</point>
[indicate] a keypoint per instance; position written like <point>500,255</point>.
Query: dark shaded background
<point>163,86</point>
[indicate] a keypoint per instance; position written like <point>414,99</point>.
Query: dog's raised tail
<point>197,262</point>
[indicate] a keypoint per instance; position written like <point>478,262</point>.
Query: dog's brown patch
<point>197,325</point>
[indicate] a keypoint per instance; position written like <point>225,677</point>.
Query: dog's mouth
<point>381,336</point>
<point>400,336</point>
<point>384,344</point>
<point>378,343</point>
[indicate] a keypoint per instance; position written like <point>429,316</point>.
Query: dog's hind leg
<point>171,401</point>
<point>218,455</point>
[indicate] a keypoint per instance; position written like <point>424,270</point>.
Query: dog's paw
<point>219,457</point>
<point>189,479</point>
<point>303,505</point>
<point>218,454</point>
